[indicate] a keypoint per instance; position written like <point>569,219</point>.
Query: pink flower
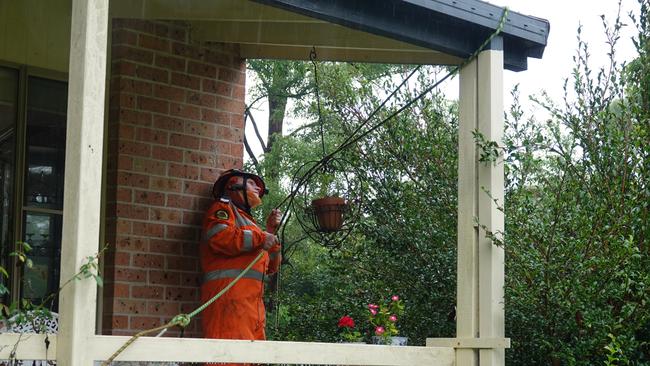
<point>373,311</point>
<point>392,318</point>
<point>379,330</point>
<point>373,306</point>
<point>395,298</point>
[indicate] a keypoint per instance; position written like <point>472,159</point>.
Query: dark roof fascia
<point>455,27</point>
<point>488,15</point>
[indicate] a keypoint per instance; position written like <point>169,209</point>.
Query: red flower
<point>346,322</point>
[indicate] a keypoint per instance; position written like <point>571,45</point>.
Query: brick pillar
<point>175,122</point>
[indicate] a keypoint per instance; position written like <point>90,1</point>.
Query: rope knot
<point>182,320</point>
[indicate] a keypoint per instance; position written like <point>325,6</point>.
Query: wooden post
<point>490,203</point>
<point>480,308</point>
<point>83,172</point>
<point>467,257</point>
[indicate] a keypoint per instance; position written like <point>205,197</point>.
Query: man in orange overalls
<point>230,241</point>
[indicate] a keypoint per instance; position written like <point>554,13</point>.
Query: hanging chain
<point>312,58</point>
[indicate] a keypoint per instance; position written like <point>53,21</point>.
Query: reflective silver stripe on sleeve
<point>232,273</point>
<point>216,229</point>
<point>248,240</point>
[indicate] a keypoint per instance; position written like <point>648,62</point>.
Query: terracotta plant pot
<point>329,213</point>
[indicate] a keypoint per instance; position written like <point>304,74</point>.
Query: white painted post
<point>490,203</point>
<point>480,308</point>
<point>467,261</point>
<point>83,171</point>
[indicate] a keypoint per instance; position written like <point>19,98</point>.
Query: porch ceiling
<point>267,32</point>
<point>399,31</point>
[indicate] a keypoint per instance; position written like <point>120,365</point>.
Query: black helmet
<point>220,184</point>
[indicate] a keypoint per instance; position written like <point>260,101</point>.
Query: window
<point>32,155</point>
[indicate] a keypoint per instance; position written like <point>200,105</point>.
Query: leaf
<point>99,280</point>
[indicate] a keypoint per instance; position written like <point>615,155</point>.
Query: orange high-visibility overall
<point>230,241</point>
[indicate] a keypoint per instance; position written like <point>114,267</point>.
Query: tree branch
<point>257,131</point>
<point>248,107</point>
<point>256,163</point>
<point>303,127</point>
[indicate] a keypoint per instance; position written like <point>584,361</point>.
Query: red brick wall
<point>175,122</point>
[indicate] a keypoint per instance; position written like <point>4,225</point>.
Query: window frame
<point>20,161</point>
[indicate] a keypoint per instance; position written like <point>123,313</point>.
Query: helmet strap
<point>247,206</point>
<point>245,203</point>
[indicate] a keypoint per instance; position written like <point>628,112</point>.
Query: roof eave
<point>455,27</point>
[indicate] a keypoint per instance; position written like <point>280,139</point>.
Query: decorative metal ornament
<point>325,194</point>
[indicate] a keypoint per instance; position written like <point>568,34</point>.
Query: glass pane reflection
<point>43,233</point>
<point>8,114</point>
<point>46,121</point>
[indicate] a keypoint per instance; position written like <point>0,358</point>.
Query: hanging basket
<point>328,213</point>
<point>328,220</point>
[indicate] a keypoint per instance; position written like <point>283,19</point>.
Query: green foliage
<point>489,151</point>
<point>19,312</point>
<point>577,231</point>
<point>90,269</point>
<point>615,354</point>
<point>21,254</point>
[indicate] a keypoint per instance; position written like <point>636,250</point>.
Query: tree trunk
<point>277,111</point>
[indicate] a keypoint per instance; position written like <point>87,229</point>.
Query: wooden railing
<point>32,347</point>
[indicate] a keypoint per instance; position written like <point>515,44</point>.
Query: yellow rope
<point>183,320</point>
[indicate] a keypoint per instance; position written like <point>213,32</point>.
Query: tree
<point>279,81</point>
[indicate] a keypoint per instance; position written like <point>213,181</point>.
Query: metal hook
<point>312,54</point>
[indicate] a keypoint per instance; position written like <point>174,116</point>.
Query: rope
<point>183,320</point>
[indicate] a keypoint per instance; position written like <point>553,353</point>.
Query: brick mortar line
<point>183,210</point>
<point>186,73</point>
<point>130,77</point>
<point>172,115</point>
<point>160,191</point>
<point>183,134</point>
